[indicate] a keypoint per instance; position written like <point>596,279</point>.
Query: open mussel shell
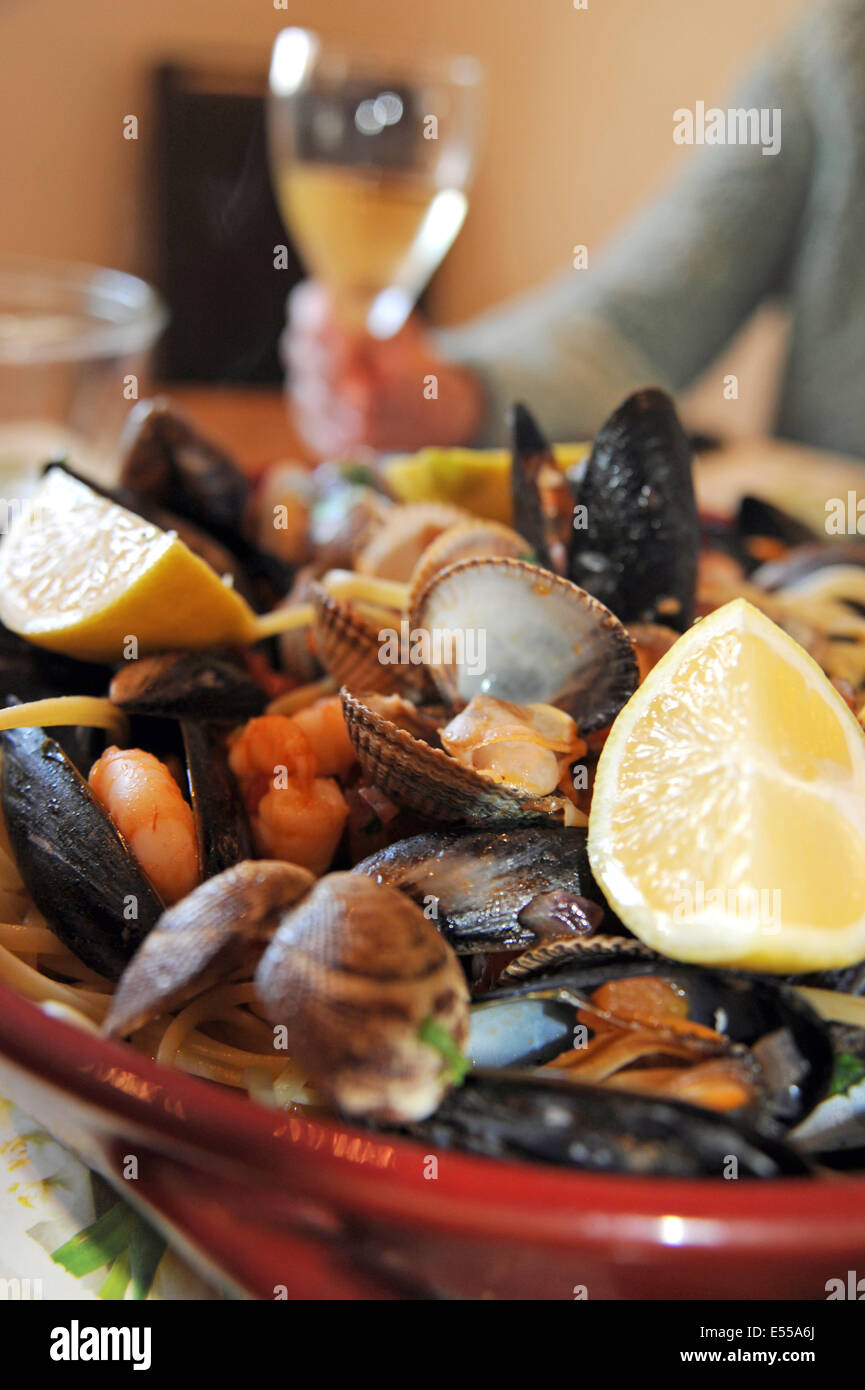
<point>220,926</point>
<point>77,867</point>
<point>532,1021</point>
<point>638,550</point>
<point>367,991</point>
<point>33,673</point>
<point>496,890</point>
<point>188,685</point>
<point>28,672</point>
<point>543,503</point>
<point>165,458</point>
<point>817,571</point>
<point>168,463</point>
<point>221,822</point>
<point>525,635</point>
<point>350,651</point>
<point>758,518</point>
<point>548,1119</point>
<point>426,779</point>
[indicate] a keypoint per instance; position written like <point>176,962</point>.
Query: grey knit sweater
<point>738,227</point>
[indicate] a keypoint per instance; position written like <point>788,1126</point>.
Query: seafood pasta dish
<point>502,800</point>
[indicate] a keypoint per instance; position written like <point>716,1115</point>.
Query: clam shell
<point>203,938</point>
<point>349,647</point>
<point>353,974</point>
<point>466,540</point>
<point>413,773</point>
<point>295,657</point>
<point>574,948</point>
<point>546,641</point>
<point>405,533</point>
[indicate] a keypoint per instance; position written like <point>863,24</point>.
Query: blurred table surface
<point>252,423</point>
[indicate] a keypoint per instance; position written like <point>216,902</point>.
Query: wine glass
<point>370,162</point>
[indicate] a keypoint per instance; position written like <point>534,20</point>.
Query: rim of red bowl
<point>380,1174</point>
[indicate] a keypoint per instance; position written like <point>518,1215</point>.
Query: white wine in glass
<point>370,164</point>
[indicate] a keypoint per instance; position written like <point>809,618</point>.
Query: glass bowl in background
<point>75,342</point>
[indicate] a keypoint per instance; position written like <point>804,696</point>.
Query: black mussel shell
<point>638,550</point>
<point>171,464</point>
<point>221,823</point>
<point>31,673</point>
<point>547,528</point>
<point>166,459</point>
<point>806,560</point>
<point>758,518</point>
<point>792,1046</point>
<point>499,890</point>
<point>521,1115</point>
<point>76,865</point>
<point>188,685</point>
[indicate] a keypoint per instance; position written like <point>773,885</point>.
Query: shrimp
<point>147,806</point>
<point>295,814</point>
<point>263,748</point>
<point>324,726</point>
<point>301,824</point>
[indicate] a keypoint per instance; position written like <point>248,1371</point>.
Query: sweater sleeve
<point>670,291</point>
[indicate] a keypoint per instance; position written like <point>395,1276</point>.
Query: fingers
<point>313,328</point>
<point>309,307</point>
<point>326,388</point>
<point>348,391</point>
<point>330,409</point>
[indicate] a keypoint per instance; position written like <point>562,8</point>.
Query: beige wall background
<point>579,122</point>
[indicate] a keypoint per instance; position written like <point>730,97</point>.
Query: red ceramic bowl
<point>277,1205</point>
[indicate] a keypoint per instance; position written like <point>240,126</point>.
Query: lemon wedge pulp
<point>728,813</point>
<point>81,575</point>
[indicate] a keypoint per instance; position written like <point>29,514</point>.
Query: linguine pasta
<point>218,1036</point>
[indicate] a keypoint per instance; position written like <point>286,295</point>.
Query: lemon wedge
<point>728,813</point>
<point>81,575</point>
<point>477,479</point>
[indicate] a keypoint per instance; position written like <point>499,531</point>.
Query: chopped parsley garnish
<point>357,473</point>
<point>848,1071</point>
<point>456,1065</point>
